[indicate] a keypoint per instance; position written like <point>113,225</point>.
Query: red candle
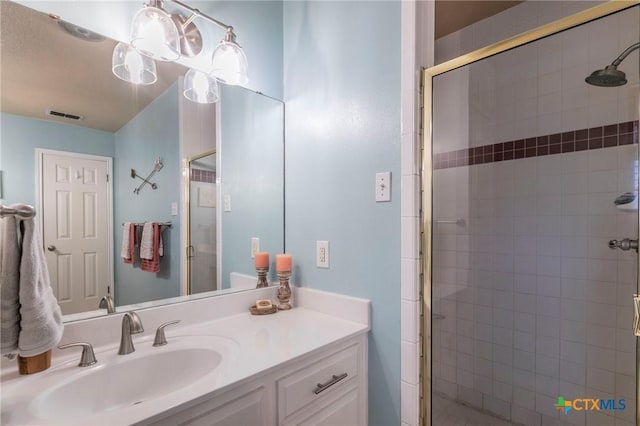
<point>261,259</point>
<point>283,263</point>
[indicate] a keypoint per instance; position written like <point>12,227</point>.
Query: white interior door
<point>75,194</point>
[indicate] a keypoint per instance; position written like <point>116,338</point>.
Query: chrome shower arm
<point>626,53</point>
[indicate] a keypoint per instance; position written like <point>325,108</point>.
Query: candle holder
<point>262,277</point>
<point>284,291</point>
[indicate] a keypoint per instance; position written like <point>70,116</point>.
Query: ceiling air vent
<point>66,115</point>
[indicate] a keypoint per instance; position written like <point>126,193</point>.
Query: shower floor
<point>451,413</point>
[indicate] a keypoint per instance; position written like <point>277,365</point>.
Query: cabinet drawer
<point>319,378</point>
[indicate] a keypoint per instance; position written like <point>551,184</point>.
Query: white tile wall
<point>519,334</point>
<point>410,226</point>
<point>534,302</point>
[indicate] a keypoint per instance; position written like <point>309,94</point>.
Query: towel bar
<point>21,211</point>
<point>142,223</point>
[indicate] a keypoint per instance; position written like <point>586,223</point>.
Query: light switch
<point>227,202</point>
<point>255,246</point>
<point>383,187</point>
<point>174,209</point>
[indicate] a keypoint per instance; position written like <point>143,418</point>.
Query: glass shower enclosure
<point>202,253</point>
<point>531,228</point>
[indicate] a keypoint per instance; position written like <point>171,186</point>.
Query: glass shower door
<point>535,231</point>
<point>202,248</point>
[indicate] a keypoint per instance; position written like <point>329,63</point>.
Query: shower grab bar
<point>21,211</point>
<point>459,222</point>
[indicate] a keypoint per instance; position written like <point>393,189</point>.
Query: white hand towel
<point>146,243</point>
<point>125,248</point>
<point>9,286</point>
<point>41,320</point>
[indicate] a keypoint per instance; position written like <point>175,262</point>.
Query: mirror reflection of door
<point>202,250</point>
<point>75,191</point>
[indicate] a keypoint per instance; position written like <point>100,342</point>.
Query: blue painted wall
<point>251,173</point>
<point>342,96</point>
<point>20,136</point>
<point>258,26</point>
<point>153,133</point>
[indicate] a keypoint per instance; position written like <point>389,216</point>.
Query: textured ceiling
<point>452,15</point>
<point>43,67</point>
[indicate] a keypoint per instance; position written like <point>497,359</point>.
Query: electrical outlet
<point>383,187</point>
<point>322,254</point>
<point>255,247</point>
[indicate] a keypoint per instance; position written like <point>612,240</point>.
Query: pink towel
<point>129,252</point>
<point>153,265</point>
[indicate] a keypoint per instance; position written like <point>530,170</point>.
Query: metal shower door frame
<point>426,189</point>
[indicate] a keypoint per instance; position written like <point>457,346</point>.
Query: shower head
<point>610,76</point>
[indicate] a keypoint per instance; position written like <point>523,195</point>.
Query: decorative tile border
<point>558,143</point>
<point>199,175</point>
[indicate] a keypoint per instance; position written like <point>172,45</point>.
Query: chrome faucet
<point>131,324</point>
<point>107,303</point>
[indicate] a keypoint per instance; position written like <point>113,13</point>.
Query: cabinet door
<point>229,409</point>
<point>342,411</point>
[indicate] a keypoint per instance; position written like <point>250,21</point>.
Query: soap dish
<point>255,311</point>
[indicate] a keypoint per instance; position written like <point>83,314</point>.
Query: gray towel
<point>9,286</point>
<point>41,319</point>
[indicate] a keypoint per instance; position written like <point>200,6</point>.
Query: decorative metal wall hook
<point>156,168</point>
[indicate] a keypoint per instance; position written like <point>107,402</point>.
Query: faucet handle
<point>160,339</point>
<point>87,358</point>
<point>107,303</point>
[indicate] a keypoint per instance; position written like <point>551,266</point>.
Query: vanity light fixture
<point>200,87</point>
<point>229,63</point>
<point>129,65</point>
<point>156,34</point>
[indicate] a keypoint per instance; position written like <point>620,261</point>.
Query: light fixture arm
<point>196,13</point>
<point>626,53</point>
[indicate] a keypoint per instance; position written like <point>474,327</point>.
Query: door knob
<point>625,245</point>
<point>51,248</point>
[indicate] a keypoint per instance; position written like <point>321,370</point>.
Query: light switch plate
<point>227,202</point>
<point>383,187</point>
<point>255,246</point>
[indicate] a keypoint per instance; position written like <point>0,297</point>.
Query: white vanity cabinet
<point>327,387</point>
<point>250,405</point>
<point>326,390</point>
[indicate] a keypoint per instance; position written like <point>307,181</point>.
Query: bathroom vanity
<point>303,366</point>
<point>326,387</point>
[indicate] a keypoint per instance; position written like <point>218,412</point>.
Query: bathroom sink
<point>120,382</point>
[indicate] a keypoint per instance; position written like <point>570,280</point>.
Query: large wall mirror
<point>76,142</point>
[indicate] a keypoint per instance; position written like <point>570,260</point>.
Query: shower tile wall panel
<point>535,304</point>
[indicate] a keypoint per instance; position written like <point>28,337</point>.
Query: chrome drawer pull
<point>334,379</point>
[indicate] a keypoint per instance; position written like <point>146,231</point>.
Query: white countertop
<point>263,343</point>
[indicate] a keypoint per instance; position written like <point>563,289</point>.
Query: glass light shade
<point>200,88</point>
<point>129,65</point>
<point>229,63</point>
<point>154,34</point>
